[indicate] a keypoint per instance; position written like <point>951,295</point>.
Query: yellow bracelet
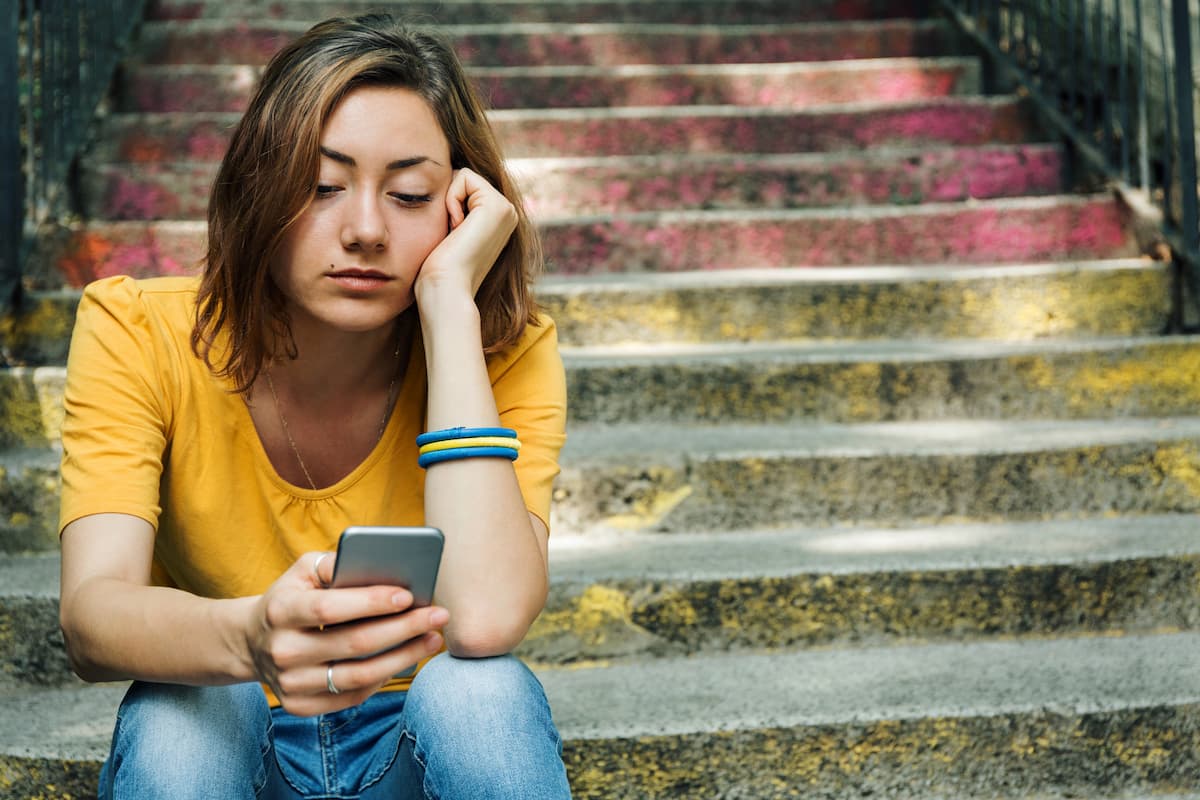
<point>473,441</point>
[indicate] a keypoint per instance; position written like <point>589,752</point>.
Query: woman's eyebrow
<point>401,163</point>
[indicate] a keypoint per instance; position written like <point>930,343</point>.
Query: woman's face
<point>379,209</point>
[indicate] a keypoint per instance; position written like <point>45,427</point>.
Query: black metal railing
<point>1116,77</point>
<point>57,58</point>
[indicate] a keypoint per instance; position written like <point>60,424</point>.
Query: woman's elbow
<point>483,635</point>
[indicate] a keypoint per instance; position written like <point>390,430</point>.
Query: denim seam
<point>372,778</point>
<point>419,755</point>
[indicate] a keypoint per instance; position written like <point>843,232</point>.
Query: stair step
<point>1119,297</point>
<point>852,382</point>
<point>839,382</point>
<point>457,12</point>
<point>636,596</point>
<point>694,478</point>
<point>1090,717</point>
<point>29,487</point>
<point>683,478</point>
<point>661,183</point>
<point>1064,300</point>
<point>203,136</point>
<point>990,231</point>
<point>788,85</point>
<point>254,41</point>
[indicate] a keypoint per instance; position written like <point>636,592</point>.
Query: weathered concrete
<point>828,382</point>
<point>674,478</point>
<point>630,596</point>
<point>39,330</point>
<point>29,486</point>
<point>597,132</point>
<point>1064,300</point>
<point>1082,717</point>
<point>598,44</point>
<point>655,183</point>
<point>984,232</point>
<point>785,85</point>
<point>31,406</point>
<point>840,382</point>
<point>453,12</point>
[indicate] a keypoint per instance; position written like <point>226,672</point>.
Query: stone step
<point>193,88</point>
<point>839,382</point>
<point>203,136</point>
<point>459,12</point>
<point>255,40</point>
<point>638,596</point>
<point>1129,297</point>
<point>1116,297</point>
<point>1088,717</point>
<point>990,231</point>
<point>854,382</point>
<point>29,487</point>
<point>693,478</point>
<point>615,184</point>
<point>983,232</point>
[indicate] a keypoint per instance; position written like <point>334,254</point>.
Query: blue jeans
<point>478,728</point>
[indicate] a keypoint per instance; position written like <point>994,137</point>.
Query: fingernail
<point>402,599</point>
<point>433,642</point>
<point>439,617</point>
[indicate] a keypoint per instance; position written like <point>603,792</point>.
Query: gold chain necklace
<point>387,411</point>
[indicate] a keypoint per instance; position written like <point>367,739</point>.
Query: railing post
<point>1188,222</point>
<point>13,193</point>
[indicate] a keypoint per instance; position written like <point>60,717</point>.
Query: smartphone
<point>390,556</point>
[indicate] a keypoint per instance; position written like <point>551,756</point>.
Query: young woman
<point>366,282</point>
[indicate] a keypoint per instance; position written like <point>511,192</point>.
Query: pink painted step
<point>981,232</point>
<point>150,138</point>
<point>791,85</point>
<point>460,12</point>
<point>661,183</point>
<point>232,43</point>
<point>650,183</point>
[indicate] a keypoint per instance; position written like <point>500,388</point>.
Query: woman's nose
<point>364,227</point>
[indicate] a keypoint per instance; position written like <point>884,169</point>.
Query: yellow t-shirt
<point>150,431</point>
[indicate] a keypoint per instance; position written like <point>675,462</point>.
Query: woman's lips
<point>359,280</point>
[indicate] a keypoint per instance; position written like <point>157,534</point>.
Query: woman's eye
<point>413,199</point>
<point>325,190</point>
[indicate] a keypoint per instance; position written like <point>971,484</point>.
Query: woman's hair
<point>269,174</point>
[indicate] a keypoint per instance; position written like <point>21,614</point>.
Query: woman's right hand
<point>299,629</point>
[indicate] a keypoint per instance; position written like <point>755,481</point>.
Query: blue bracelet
<point>463,433</point>
<point>438,456</point>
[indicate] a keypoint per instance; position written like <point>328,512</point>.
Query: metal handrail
<point>1116,78</point>
<point>57,58</point>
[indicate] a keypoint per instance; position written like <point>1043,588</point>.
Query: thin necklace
<point>387,411</point>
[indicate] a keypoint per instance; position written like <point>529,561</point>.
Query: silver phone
<point>386,555</point>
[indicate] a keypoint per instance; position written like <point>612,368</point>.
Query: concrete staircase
<point>918,523</point>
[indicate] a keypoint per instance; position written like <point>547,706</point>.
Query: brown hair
<point>268,175</point>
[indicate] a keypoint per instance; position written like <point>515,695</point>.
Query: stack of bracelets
<point>453,444</point>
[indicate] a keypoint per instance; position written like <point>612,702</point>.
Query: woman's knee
<point>183,741</point>
<point>477,690</point>
<point>482,728</point>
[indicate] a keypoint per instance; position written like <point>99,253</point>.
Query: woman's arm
<point>494,575</point>
<point>119,627</point>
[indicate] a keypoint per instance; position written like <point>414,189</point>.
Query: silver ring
<point>317,574</point>
<point>329,681</point>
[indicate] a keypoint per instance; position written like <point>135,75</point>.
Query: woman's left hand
<point>481,222</point>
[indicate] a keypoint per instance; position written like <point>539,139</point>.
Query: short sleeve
<point>115,427</point>
<point>530,388</point>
